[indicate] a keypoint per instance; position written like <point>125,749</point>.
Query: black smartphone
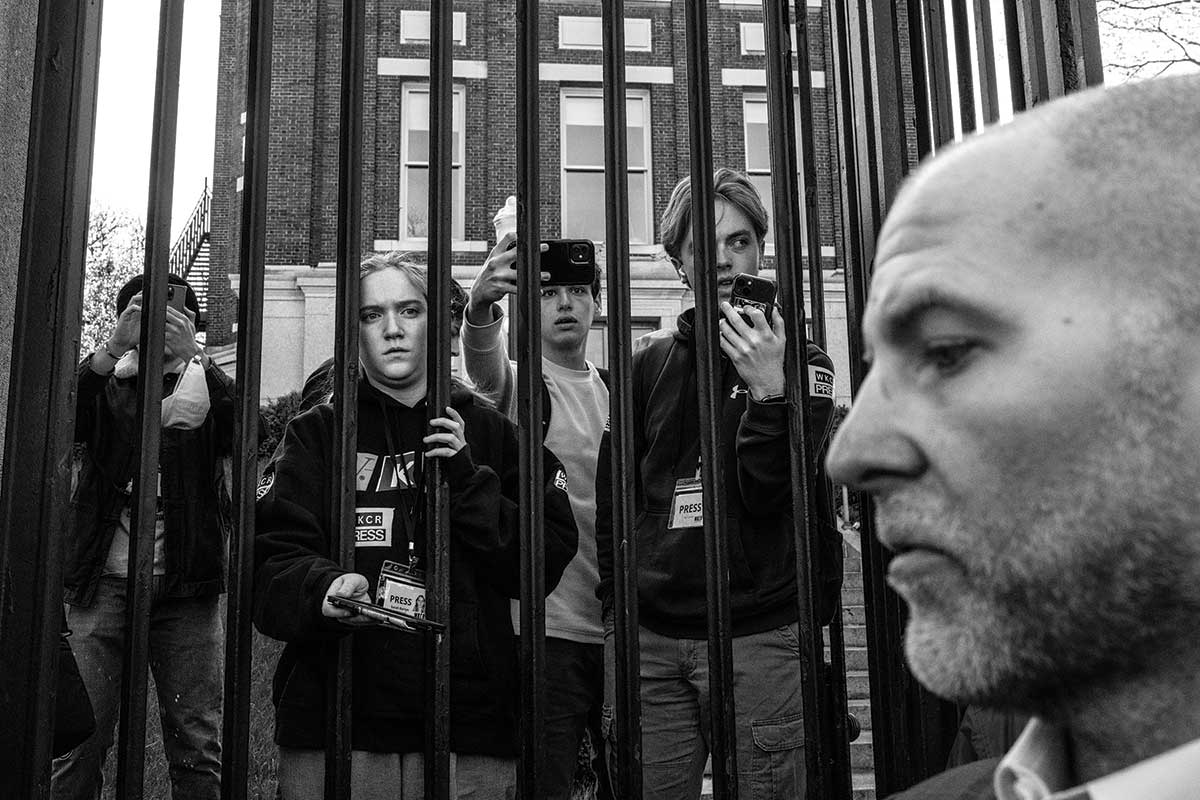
<point>386,616</point>
<point>175,296</point>
<point>568,261</point>
<point>751,290</point>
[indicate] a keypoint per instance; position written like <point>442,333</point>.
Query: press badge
<point>687,504</point>
<point>402,588</point>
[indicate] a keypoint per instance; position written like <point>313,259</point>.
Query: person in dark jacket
<point>297,571</point>
<point>191,531</point>
<point>672,602</point>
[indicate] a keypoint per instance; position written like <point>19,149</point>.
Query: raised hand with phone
<point>179,333</point>
<point>753,337</point>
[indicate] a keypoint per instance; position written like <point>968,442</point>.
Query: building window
<point>582,137</point>
<point>754,41</point>
<point>758,154</point>
<point>414,26</point>
<point>414,163</point>
<point>586,33</point>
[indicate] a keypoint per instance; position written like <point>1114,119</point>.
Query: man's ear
<point>675,262</point>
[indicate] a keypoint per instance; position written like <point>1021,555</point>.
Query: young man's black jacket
<point>294,568</point>
<point>195,500</point>
<point>754,437</point>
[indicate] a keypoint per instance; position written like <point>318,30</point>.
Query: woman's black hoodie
<point>294,568</point>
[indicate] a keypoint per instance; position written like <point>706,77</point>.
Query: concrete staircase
<point>858,691</point>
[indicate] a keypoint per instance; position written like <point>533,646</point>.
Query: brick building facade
<point>302,209</point>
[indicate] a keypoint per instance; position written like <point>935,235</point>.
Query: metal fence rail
<point>628,780</point>
<point>235,731</point>
<point>906,79</point>
<point>45,335</point>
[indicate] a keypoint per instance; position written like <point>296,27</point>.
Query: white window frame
<point>635,30</point>
<point>458,163</point>
<point>642,95</point>
<point>415,25</point>
<point>753,38</point>
<point>761,98</point>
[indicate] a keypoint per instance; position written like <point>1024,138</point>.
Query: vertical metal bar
<point>529,396</point>
<point>870,37</point>
<point>440,216</point>
<point>961,28</point>
<point>859,131</point>
<point>808,156</point>
<point>1015,58</point>
<point>620,347</point>
<point>923,120</point>
<point>235,735</point>
<point>845,149</point>
<point>708,375</point>
<point>1087,57</point>
<point>841,783</point>
<point>1079,44</point>
<point>937,45</point>
<point>789,269</point>
<point>1033,51</point>
<point>1016,63</point>
<point>132,743</point>
<point>345,354</point>
<point>986,61</point>
<point>41,399</point>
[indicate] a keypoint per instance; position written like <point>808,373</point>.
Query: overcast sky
<point>129,43</point>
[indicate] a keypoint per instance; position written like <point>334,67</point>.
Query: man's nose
<point>563,297</point>
<point>723,261</point>
<point>872,451</point>
<point>393,326</point>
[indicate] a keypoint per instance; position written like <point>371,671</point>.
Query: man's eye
<point>740,243</point>
<point>411,312</point>
<point>369,316</point>
<point>948,356</point>
<point>548,293</point>
<point>579,290</point>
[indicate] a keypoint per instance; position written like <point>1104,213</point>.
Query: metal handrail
<point>193,236</point>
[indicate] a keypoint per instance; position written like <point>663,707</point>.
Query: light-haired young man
<point>672,602</point>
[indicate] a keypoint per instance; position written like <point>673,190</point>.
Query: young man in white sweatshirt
<point>576,413</point>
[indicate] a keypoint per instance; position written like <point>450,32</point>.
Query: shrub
<point>275,417</point>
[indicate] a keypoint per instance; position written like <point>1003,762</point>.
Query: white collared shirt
<point>1036,768</point>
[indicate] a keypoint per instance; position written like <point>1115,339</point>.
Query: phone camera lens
<point>579,253</point>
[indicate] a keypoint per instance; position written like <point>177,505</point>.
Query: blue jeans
<point>187,645</point>
<point>396,776</point>
<point>574,693</point>
<point>769,724</point>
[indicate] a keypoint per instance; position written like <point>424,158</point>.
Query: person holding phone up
<point>297,572</point>
<point>574,409</point>
<point>670,512</point>
<point>191,529</point>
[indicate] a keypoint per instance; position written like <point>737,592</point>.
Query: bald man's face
<point>1031,457</point>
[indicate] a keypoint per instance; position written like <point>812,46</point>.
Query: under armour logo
<point>737,390</point>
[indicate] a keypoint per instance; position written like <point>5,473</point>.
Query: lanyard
<point>689,423</point>
<point>410,516</point>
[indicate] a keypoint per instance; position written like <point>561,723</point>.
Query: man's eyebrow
<point>901,312</point>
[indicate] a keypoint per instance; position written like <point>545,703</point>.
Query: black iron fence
<point>896,96</point>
